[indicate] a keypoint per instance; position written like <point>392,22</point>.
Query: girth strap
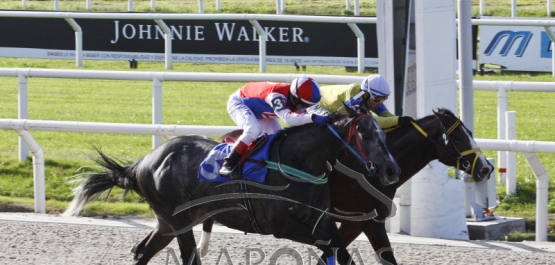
<point>249,209</point>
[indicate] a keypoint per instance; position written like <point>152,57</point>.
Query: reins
<point>362,156</point>
<point>446,137</point>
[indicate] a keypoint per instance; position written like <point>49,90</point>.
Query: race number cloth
<point>252,171</point>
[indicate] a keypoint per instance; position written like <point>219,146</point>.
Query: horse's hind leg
<point>152,244</point>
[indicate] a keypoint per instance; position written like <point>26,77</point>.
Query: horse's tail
<point>100,185</point>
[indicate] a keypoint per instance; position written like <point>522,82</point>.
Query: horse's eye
<point>457,137</point>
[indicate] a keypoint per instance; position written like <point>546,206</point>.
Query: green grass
<point>525,8</point>
<point>203,103</point>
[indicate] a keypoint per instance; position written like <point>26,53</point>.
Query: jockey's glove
<point>405,121</point>
<point>320,119</point>
<point>353,101</point>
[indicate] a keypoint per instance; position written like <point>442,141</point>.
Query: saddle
<point>250,170</point>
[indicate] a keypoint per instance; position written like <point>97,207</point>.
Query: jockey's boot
<point>230,164</point>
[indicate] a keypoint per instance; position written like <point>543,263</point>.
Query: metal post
<point>153,5</point>
<point>78,41</point>
<point>261,44</point>
<point>502,103</point>
<point>38,170</point>
<point>168,36</point>
<point>88,5</point>
<point>466,89</point>
<point>513,8</point>
<point>218,5</point>
<point>542,185</point>
<point>130,6</point>
<point>552,38</point>
<point>482,7</point>
<point>22,112</point>
<point>201,6</point>
<point>511,156</point>
<point>56,5</point>
<point>278,7</point>
<point>360,45</point>
<point>156,109</point>
<point>357,8</point>
<point>347,4</point>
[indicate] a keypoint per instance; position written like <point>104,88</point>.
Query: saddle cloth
<point>252,170</point>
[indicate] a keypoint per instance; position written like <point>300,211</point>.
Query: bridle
<point>352,131</point>
<point>447,139</point>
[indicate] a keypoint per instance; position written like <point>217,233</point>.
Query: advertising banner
<point>195,41</point>
<point>516,48</point>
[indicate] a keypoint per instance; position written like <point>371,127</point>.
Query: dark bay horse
<point>282,206</point>
<point>439,136</point>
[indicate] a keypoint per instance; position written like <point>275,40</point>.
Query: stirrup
<point>230,172</point>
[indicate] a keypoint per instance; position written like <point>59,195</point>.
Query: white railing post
<point>78,41</point>
<point>56,5</point>
<point>261,44</point>
<point>168,37</point>
<point>360,46</point>
<point>88,5</point>
<point>552,38</point>
<point>130,6</point>
<point>156,109</point>
<point>153,5</point>
<point>482,7</point>
<point>357,8</point>
<point>278,7</point>
<point>549,8</point>
<point>201,6</point>
<point>513,8</point>
<point>24,3</point>
<point>22,112</point>
<point>511,156</point>
<point>38,170</point>
<point>218,5</point>
<point>502,107</point>
<point>542,185</point>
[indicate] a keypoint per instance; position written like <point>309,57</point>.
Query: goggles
<point>378,99</point>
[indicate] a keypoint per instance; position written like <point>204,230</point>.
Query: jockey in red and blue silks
<point>257,105</point>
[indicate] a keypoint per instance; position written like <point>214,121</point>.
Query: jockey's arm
<point>288,116</point>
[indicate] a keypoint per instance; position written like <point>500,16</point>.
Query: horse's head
<point>459,148</point>
<point>367,139</point>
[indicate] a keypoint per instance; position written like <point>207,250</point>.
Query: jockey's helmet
<point>376,85</point>
<point>306,89</point>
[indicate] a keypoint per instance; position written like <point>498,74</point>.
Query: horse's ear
<point>437,115</point>
<point>350,111</point>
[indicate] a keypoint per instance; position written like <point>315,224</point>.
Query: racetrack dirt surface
<point>28,238</point>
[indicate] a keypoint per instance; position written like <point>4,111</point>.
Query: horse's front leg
<point>349,231</point>
<point>376,233</point>
<point>325,237</point>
